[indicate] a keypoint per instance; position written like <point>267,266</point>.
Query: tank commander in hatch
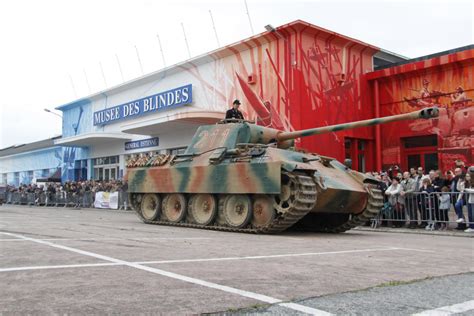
<point>234,113</point>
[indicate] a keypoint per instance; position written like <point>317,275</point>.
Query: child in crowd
<point>444,206</point>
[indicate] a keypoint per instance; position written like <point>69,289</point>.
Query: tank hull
<point>291,184</point>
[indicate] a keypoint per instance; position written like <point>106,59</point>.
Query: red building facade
<point>445,81</point>
<point>306,76</point>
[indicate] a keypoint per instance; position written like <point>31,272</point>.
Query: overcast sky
<point>44,45</point>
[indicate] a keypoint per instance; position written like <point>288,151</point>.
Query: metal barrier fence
<point>63,199</point>
<point>434,210</point>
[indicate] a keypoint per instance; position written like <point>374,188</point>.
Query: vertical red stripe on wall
<point>378,144</point>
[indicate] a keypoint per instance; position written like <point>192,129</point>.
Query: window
<point>30,176</point>
<point>420,151</point>
<point>420,141</point>
<point>4,178</point>
<point>106,160</point>
<point>45,173</point>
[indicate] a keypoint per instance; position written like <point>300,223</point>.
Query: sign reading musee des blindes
<point>151,104</point>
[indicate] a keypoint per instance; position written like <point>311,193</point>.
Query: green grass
<point>396,283</point>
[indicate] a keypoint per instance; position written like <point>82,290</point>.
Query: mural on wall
<point>451,89</point>
<point>300,80</point>
<point>40,164</point>
<point>76,120</point>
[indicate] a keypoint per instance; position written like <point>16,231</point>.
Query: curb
<point>416,231</point>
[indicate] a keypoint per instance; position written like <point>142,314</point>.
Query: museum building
<point>296,76</point>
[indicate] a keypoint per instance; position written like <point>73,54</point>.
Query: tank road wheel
<point>174,207</point>
<point>202,208</point>
<point>150,206</point>
<point>236,210</point>
<point>285,201</point>
<point>263,211</point>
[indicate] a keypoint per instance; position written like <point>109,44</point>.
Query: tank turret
<point>238,176</point>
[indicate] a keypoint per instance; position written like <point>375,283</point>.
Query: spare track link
<point>305,199</point>
<point>374,204</point>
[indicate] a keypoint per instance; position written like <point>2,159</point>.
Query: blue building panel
<point>53,162</point>
<point>77,118</point>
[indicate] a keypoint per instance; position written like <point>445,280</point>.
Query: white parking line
<point>448,310</point>
<point>248,294</point>
<point>60,266</point>
<point>278,256</point>
<point>110,238</point>
<point>205,259</point>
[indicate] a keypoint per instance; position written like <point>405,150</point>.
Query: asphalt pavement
<point>89,261</point>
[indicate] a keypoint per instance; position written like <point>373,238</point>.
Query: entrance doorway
<point>106,168</point>
<point>106,173</point>
<point>358,150</point>
<point>420,151</point>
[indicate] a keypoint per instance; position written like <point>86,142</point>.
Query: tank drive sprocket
<point>338,223</point>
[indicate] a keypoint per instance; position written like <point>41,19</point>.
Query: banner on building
<point>150,104</point>
<point>106,200</point>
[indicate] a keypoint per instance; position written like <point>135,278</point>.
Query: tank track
<point>374,204</point>
<point>305,199</point>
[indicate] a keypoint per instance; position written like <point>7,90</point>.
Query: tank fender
<point>319,180</point>
<point>289,166</point>
<point>371,180</point>
<point>364,178</point>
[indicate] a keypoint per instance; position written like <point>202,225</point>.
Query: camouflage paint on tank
<point>199,176</point>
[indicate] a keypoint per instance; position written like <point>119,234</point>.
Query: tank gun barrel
<point>426,113</point>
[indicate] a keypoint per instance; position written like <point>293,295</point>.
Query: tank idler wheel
<point>202,208</point>
<point>263,211</point>
<point>285,201</point>
<point>150,206</point>
<point>174,207</point>
<point>236,210</point>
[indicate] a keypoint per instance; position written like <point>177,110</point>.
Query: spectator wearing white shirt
<point>396,200</point>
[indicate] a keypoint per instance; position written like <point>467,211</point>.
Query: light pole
<point>49,111</point>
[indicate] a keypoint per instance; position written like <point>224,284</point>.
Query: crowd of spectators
<point>78,192</point>
<point>419,199</point>
<point>71,187</point>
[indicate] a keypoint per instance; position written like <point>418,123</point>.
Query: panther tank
<point>241,177</point>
